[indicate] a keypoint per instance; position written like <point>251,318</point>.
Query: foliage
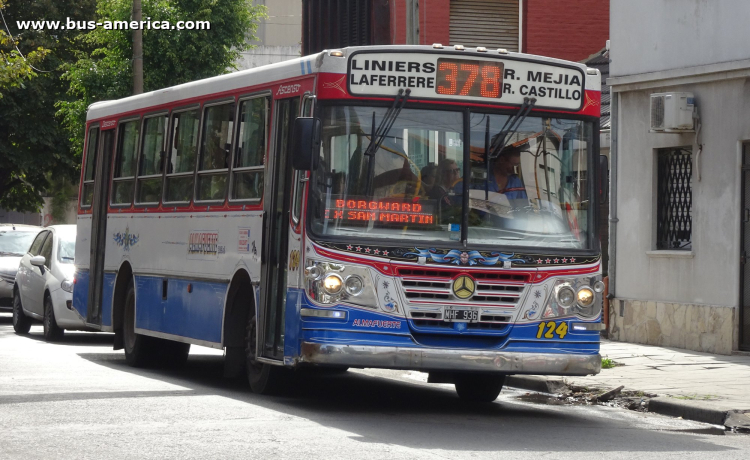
<point>170,57</point>
<point>608,363</point>
<point>32,146</point>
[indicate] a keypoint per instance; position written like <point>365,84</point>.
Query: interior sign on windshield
<point>383,211</point>
<point>435,75</point>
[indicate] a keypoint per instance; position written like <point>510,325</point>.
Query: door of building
<point>745,252</point>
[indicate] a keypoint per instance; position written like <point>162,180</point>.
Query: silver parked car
<point>44,284</point>
<point>15,240</point>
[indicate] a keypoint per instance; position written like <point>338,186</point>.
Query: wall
<point>675,34</point>
<point>279,35</point>
<point>571,29</point>
<point>434,22</point>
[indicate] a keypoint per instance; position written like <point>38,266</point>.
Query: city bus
<point>428,208</point>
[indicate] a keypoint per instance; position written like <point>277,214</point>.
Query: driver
<point>503,178</point>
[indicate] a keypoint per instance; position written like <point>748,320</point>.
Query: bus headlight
<point>565,295</point>
<point>585,297</point>
<point>354,285</point>
<point>573,297</point>
<point>329,283</point>
<point>333,284</point>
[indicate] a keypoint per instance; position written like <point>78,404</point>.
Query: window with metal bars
<point>674,198</point>
<point>331,24</point>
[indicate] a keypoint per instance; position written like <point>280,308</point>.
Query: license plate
<point>454,314</point>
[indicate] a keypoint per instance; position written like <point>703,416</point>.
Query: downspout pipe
<point>615,120</point>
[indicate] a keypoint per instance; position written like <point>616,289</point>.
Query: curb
<point>689,410</point>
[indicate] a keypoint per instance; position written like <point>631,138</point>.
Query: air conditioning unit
<point>672,112</point>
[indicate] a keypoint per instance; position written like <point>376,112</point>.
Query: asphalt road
<point>79,399</point>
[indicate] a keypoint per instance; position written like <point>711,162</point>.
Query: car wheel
<point>478,387</point>
<point>21,322</point>
<point>264,378</point>
<point>52,331</point>
<point>139,349</point>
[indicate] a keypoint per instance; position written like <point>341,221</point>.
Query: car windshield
<point>15,243</point>
<point>531,192</point>
<point>67,248</point>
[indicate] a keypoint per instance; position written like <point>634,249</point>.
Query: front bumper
<point>436,359</point>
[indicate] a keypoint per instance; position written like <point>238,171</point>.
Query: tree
<point>170,57</point>
<point>33,148</point>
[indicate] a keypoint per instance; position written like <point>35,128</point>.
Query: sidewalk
<point>698,386</point>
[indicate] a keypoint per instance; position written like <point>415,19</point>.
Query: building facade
<point>572,30</point>
<point>679,199</point>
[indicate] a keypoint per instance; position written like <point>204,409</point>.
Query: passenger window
<point>36,246</point>
<point>87,194</point>
<point>213,165</point>
<point>151,164</point>
<point>250,151</point>
<point>181,165</point>
<point>123,179</point>
<point>47,251</point>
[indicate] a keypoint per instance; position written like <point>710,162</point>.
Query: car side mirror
<point>38,261</point>
<point>306,143</point>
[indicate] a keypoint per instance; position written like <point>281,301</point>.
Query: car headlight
<point>332,284</point>
<point>67,285</point>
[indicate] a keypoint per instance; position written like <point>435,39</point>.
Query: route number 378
<point>551,329</point>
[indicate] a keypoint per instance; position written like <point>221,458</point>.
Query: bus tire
<point>479,387</point>
<point>21,322</point>
<point>52,332</point>
<point>138,348</point>
<point>173,354</point>
<point>264,379</point>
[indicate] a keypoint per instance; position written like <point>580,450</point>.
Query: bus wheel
<point>264,378</point>
<point>173,354</point>
<point>478,387</point>
<point>21,322</point>
<point>138,348</point>
<point>52,331</point>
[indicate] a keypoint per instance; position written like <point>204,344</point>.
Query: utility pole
<point>137,50</point>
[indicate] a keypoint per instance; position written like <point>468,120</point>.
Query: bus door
<point>276,233</point>
<point>99,227</point>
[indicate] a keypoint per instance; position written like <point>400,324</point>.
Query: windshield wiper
<point>378,135</point>
<point>509,128</point>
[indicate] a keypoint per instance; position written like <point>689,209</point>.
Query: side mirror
<point>306,143</point>
<point>602,181</point>
<point>38,261</point>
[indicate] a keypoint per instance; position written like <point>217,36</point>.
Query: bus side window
<point>215,153</point>
<point>123,178</point>
<point>181,164</point>
<point>89,170</point>
<point>151,164</point>
<point>250,151</point>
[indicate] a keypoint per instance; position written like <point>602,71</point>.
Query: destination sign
<point>383,211</point>
<point>470,78</point>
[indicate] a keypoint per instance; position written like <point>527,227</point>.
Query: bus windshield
<point>525,188</point>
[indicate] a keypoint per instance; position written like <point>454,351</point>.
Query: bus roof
<point>294,68</point>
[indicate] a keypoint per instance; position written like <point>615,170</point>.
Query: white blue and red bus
<point>406,207</point>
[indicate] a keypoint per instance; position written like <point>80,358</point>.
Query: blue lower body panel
<point>197,314</point>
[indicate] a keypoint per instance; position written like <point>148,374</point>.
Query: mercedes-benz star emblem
<point>463,287</point>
